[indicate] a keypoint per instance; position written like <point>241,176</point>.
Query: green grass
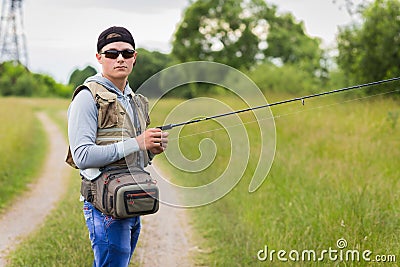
<point>335,175</point>
<point>22,150</point>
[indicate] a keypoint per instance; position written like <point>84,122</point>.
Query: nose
<point>120,57</point>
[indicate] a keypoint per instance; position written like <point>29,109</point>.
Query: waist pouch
<point>122,194</point>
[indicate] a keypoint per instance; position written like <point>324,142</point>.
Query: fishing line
<point>333,104</point>
<point>173,125</point>
<point>285,114</point>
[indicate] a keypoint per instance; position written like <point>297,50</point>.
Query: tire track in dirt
<point>166,238</point>
<point>30,209</point>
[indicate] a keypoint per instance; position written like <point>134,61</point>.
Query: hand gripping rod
<point>173,125</point>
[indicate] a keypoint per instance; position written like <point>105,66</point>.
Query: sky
<point>62,35</point>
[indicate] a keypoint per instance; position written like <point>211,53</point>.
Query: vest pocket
<point>107,104</point>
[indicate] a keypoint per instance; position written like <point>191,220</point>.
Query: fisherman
<point>98,109</point>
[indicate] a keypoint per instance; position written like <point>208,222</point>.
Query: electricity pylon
<point>12,37</point>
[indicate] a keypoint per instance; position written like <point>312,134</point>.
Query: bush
<point>286,79</point>
<point>79,76</point>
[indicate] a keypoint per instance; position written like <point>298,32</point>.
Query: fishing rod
<point>173,125</point>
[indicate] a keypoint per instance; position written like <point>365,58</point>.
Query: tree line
<point>17,80</point>
<point>250,35</point>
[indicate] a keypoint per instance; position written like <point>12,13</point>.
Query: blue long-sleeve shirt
<point>82,131</point>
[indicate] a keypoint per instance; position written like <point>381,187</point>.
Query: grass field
<point>335,175</point>
<point>22,150</point>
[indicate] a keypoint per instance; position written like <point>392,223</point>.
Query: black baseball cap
<point>114,34</point>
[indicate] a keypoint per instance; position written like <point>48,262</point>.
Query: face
<point>119,68</point>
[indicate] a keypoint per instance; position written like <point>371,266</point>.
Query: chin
<point>121,74</point>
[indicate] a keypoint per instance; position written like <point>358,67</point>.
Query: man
<point>92,116</point>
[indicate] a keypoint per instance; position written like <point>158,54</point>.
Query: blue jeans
<point>113,240</point>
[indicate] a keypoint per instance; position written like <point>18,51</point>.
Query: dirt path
<point>166,238</point>
<point>30,210</point>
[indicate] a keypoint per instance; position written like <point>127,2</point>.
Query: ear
<point>134,58</point>
<point>98,57</point>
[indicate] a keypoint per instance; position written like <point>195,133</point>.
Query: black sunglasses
<point>127,53</point>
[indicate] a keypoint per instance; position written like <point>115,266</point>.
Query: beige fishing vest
<point>114,124</point>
